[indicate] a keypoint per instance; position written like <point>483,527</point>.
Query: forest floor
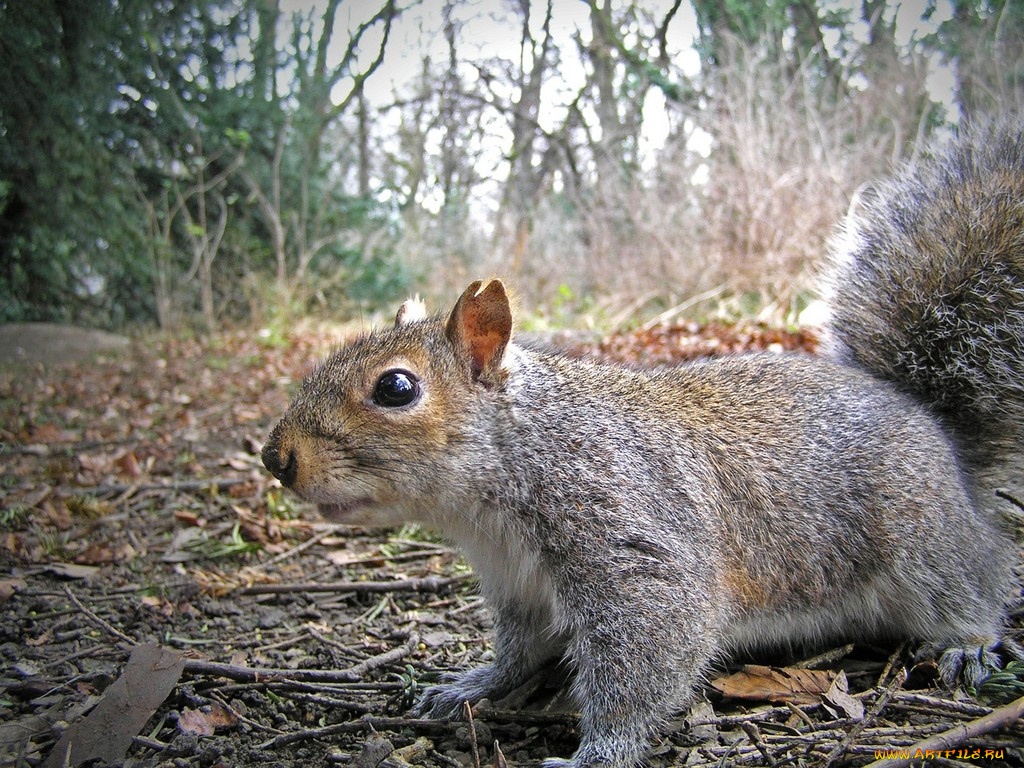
<point>164,603</point>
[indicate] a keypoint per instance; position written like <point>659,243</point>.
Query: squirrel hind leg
<point>970,664</point>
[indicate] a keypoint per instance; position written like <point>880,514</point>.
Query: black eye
<point>395,389</point>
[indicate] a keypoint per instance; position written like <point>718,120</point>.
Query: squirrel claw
<point>971,665</point>
<point>443,702</point>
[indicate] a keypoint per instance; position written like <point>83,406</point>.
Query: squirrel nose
<point>286,471</point>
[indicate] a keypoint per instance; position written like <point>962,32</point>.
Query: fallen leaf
<point>101,554</point>
<point>43,639</point>
<point>189,517</point>
<point>838,695</point>
<point>239,659</point>
<point>759,683</point>
<point>22,733</point>
<point>15,544</point>
<point>56,513</point>
<point>48,433</point>
<point>71,570</point>
<point>129,465</point>
<point>239,461</point>
<point>205,721</point>
<point>161,605</point>
<point>9,588</point>
<point>106,733</point>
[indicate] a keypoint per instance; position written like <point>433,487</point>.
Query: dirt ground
<point>164,603</point>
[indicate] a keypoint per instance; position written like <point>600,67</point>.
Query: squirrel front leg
<point>640,647</point>
<point>522,645</point>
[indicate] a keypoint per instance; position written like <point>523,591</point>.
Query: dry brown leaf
<point>838,695</point>
<point>9,588</point>
<point>205,721</point>
<point>189,517</point>
<point>48,433</point>
<point>161,605</point>
<point>129,465</point>
<point>56,513</point>
<point>759,683</point>
<point>102,553</point>
<point>71,570</point>
<point>107,731</point>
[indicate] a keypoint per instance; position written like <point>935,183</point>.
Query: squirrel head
<point>389,425</point>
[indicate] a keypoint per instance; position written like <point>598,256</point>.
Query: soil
<point>52,344</point>
<point>164,603</point>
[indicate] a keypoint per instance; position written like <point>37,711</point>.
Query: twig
<point>672,312</point>
<point>957,735</point>
<point>93,617</point>
<point>876,708</point>
<point>388,657</point>
<point>755,738</point>
<point>825,660</point>
<point>363,724</point>
<point>297,549</point>
<point>932,703</point>
<point>889,665</point>
<point>801,715</point>
<point>148,743</point>
<point>426,584</point>
<point>262,674</point>
<point>528,717</point>
<point>1005,494</point>
<point>467,710</point>
<point>499,756</point>
<point>186,486</point>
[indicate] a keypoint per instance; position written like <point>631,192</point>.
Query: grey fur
<point>641,525</point>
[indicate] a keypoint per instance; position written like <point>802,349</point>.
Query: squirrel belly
<point>641,524</point>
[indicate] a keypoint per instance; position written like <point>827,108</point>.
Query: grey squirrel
<point>642,524</point>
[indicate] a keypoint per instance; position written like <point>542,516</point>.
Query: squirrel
<point>642,525</point>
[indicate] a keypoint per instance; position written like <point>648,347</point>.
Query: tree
<point>983,42</point>
<point>66,221</point>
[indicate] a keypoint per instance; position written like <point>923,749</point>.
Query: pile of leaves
<point>165,603</point>
<point>651,346</point>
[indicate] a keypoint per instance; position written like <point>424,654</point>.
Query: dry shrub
<point>751,214</point>
<point>786,155</point>
<point>991,66</point>
<point>444,252</point>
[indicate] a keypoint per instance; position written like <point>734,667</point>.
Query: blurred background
<point>206,164</point>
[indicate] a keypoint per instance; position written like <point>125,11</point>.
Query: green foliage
<point>281,506</point>
<point>14,518</point>
<point>67,221</point>
<point>135,142</point>
<point>235,545</point>
<point>1003,685</point>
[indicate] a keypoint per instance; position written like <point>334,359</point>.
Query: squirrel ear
<point>411,311</point>
<point>480,326</point>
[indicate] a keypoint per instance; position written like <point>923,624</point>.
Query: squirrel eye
<point>395,389</point>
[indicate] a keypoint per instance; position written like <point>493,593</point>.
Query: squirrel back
<point>927,284</point>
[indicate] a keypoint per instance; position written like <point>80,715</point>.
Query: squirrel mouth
<point>338,512</point>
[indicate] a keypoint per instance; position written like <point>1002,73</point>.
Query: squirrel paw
<point>610,752</point>
<point>442,702</point>
<point>971,665</point>
<point>447,700</point>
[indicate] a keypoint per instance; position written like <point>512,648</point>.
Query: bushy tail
<point>927,282</point>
